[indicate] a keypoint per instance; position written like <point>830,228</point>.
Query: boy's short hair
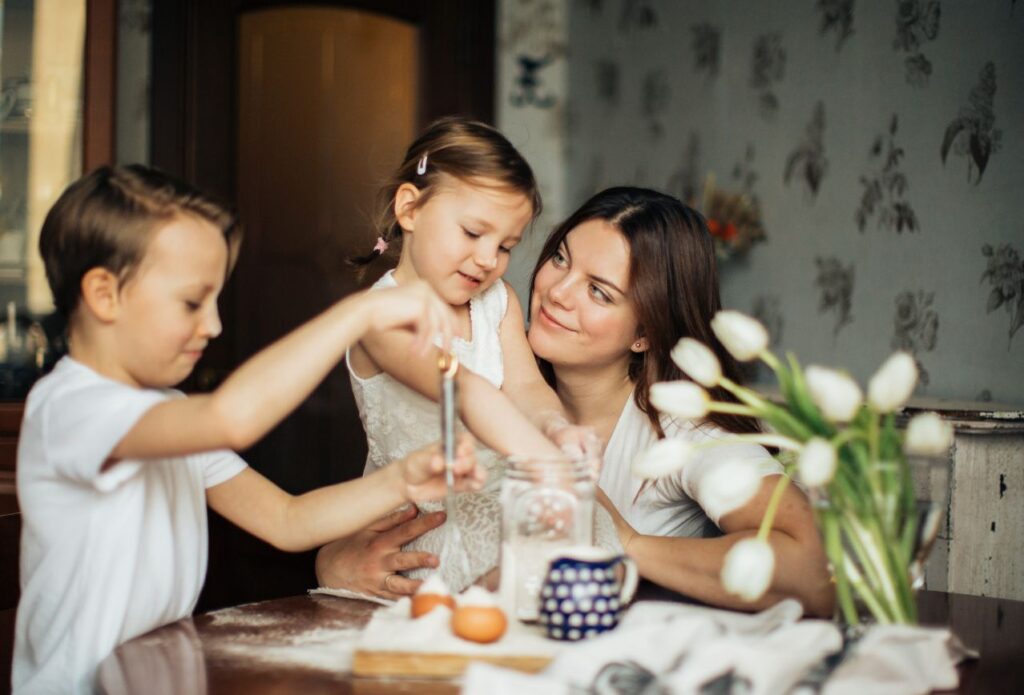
<point>106,220</point>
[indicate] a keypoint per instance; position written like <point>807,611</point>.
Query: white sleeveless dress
<point>398,420</point>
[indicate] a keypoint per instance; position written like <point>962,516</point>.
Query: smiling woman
<point>615,288</point>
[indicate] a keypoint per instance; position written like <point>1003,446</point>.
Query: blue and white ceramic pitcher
<point>583,595</point>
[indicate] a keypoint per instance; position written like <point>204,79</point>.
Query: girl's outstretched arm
<point>488,413</point>
<point>527,388</point>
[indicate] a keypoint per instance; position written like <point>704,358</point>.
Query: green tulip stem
<point>734,408</point>
<point>773,506</point>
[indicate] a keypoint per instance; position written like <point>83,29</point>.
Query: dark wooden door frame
<point>100,83</point>
<point>193,98</point>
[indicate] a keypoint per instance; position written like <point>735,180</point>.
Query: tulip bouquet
<point>845,449</point>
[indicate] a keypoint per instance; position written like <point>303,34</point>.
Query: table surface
<point>290,646</point>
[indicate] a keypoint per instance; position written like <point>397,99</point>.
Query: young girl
<point>458,204</point>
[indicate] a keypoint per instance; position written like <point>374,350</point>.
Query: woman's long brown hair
<point>673,286</point>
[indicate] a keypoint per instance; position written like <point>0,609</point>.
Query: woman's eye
<point>471,235</point>
<point>599,294</point>
<point>558,260</point>
<point>504,250</point>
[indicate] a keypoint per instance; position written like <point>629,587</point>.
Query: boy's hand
<point>424,475</point>
<point>414,306</point>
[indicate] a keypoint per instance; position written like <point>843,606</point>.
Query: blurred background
<point>861,163</point>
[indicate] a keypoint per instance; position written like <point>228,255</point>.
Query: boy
<point>114,467</point>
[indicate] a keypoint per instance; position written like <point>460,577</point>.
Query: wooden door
<point>296,112</point>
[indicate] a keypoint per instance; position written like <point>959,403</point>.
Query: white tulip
<point>817,463</point>
<point>745,338</point>
<point>836,394</point>
<point>698,361</point>
<point>748,569</point>
<point>683,399</point>
<point>729,484</point>
<point>665,457</point>
<point>893,383</point>
<point>928,435</point>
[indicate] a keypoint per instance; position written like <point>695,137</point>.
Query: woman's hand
<point>423,471</point>
<point>368,562</point>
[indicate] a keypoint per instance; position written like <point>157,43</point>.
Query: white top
<point>398,420</point>
<point>673,505</point>
<point>105,556</point>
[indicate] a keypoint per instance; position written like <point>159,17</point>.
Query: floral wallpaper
<point>883,142</point>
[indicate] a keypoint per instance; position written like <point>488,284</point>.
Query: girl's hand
<point>414,306</point>
<point>576,441</point>
<point>424,476</point>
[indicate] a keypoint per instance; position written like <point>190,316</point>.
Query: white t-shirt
<point>105,556</point>
<point>673,505</point>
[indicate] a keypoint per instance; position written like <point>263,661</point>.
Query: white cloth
<point>398,420</point>
<point>676,648</point>
<point>673,505</point>
<point>105,555</point>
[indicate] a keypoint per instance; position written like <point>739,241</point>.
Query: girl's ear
<point>406,198</point>
<point>100,293</point>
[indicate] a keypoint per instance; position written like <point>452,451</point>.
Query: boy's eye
<point>192,306</point>
<point>471,235</point>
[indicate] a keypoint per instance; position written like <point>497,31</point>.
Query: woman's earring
<point>638,346</point>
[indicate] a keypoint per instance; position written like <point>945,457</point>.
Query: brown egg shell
<point>483,624</point>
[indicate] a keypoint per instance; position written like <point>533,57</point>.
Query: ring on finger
<point>387,582</point>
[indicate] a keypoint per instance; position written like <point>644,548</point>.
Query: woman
<point>615,287</point>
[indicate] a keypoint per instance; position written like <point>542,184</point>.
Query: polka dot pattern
<point>580,599</point>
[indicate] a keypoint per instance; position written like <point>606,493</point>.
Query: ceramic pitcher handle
<point>630,581</point>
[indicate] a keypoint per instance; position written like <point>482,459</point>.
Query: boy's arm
<point>302,522</point>
<point>273,382</point>
<point>486,410</point>
<point>526,386</point>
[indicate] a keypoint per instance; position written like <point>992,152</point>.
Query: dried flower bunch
<point>734,220</point>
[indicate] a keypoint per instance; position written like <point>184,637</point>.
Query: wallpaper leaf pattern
<point>768,67</point>
<point>916,326</point>
<point>837,18</point>
<point>808,162</point>
<point>1004,273</point>
<point>835,285</point>
<point>972,134</point>
<point>917,22</point>
<point>885,189</point>
<point>637,14</point>
<point>655,95</point>
<point>607,76</point>
<point>707,43</point>
<point>685,180</point>
<point>768,310</point>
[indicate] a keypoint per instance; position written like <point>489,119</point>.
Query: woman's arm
<point>301,522</point>
<point>488,413</point>
<point>692,565</point>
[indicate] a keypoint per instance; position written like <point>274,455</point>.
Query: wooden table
<point>272,647</point>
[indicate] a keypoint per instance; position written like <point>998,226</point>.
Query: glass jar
<point>547,504</point>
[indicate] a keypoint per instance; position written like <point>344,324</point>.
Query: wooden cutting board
<point>430,665</point>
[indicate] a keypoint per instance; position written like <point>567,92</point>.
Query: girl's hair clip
<point>381,246</point>
<point>421,166</point>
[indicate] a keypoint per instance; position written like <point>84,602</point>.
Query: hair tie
<point>381,246</point>
<point>421,166</point>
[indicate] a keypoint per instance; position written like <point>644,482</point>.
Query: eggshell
<point>424,603</point>
<point>479,623</point>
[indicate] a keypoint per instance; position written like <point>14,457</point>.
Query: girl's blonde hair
<point>452,146</point>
